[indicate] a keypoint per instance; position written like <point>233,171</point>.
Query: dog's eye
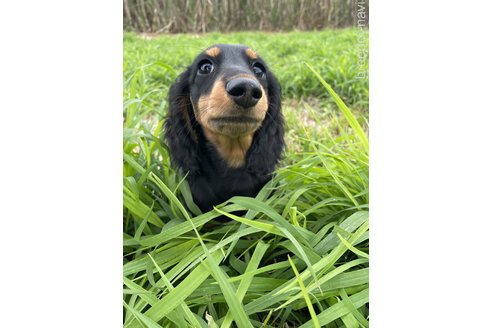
<point>259,70</point>
<point>205,67</point>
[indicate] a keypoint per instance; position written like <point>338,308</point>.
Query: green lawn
<point>300,254</point>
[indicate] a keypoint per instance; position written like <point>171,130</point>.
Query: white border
<point>430,117</point>
<point>61,102</point>
<point>61,83</point>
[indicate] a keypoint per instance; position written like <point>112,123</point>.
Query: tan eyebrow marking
<point>213,52</point>
<point>251,54</point>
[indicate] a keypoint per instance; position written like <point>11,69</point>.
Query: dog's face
<point>228,99</point>
<point>228,91</point>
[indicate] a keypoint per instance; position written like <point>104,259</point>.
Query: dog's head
<point>229,95</point>
<point>228,90</point>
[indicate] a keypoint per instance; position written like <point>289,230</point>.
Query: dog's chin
<point>234,126</point>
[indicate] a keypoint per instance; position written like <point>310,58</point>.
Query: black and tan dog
<point>224,125</point>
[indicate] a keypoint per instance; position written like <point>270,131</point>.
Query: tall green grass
<point>333,53</point>
<point>298,257</point>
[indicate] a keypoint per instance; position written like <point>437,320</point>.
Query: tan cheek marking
<point>251,54</point>
<point>213,105</point>
<point>262,105</point>
<point>213,52</point>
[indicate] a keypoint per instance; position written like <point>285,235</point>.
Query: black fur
<point>211,179</point>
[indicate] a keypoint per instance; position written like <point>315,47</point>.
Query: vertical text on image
<point>361,14</point>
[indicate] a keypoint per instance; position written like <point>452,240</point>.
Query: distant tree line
<point>195,16</point>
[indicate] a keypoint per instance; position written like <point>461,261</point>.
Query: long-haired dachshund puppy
<point>224,126</point>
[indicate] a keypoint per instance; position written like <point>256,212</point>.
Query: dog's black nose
<point>245,92</point>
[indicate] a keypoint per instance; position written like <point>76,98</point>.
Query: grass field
<point>299,257</point>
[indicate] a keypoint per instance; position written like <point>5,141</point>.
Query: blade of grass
<point>267,227</point>
<point>336,311</point>
<point>345,110</point>
<point>210,321</point>
<point>144,294</point>
<point>352,248</point>
<point>337,179</point>
<point>349,321</point>
<point>305,294</point>
<point>189,315</point>
<point>260,250</point>
<point>142,318</point>
<point>323,280</point>
<point>348,303</point>
<point>139,209</point>
<point>288,230</point>
<point>235,305</point>
<point>174,298</point>
<point>184,227</point>
<point>327,261</point>
<point>349,224</point>
<point>237,309</point>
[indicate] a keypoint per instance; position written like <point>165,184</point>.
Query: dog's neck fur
<point>232,150</point>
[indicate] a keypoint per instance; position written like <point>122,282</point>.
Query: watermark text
<point>360,8</point>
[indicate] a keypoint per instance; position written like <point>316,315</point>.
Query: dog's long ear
<point>179,125</point>
<point>268,142</point>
